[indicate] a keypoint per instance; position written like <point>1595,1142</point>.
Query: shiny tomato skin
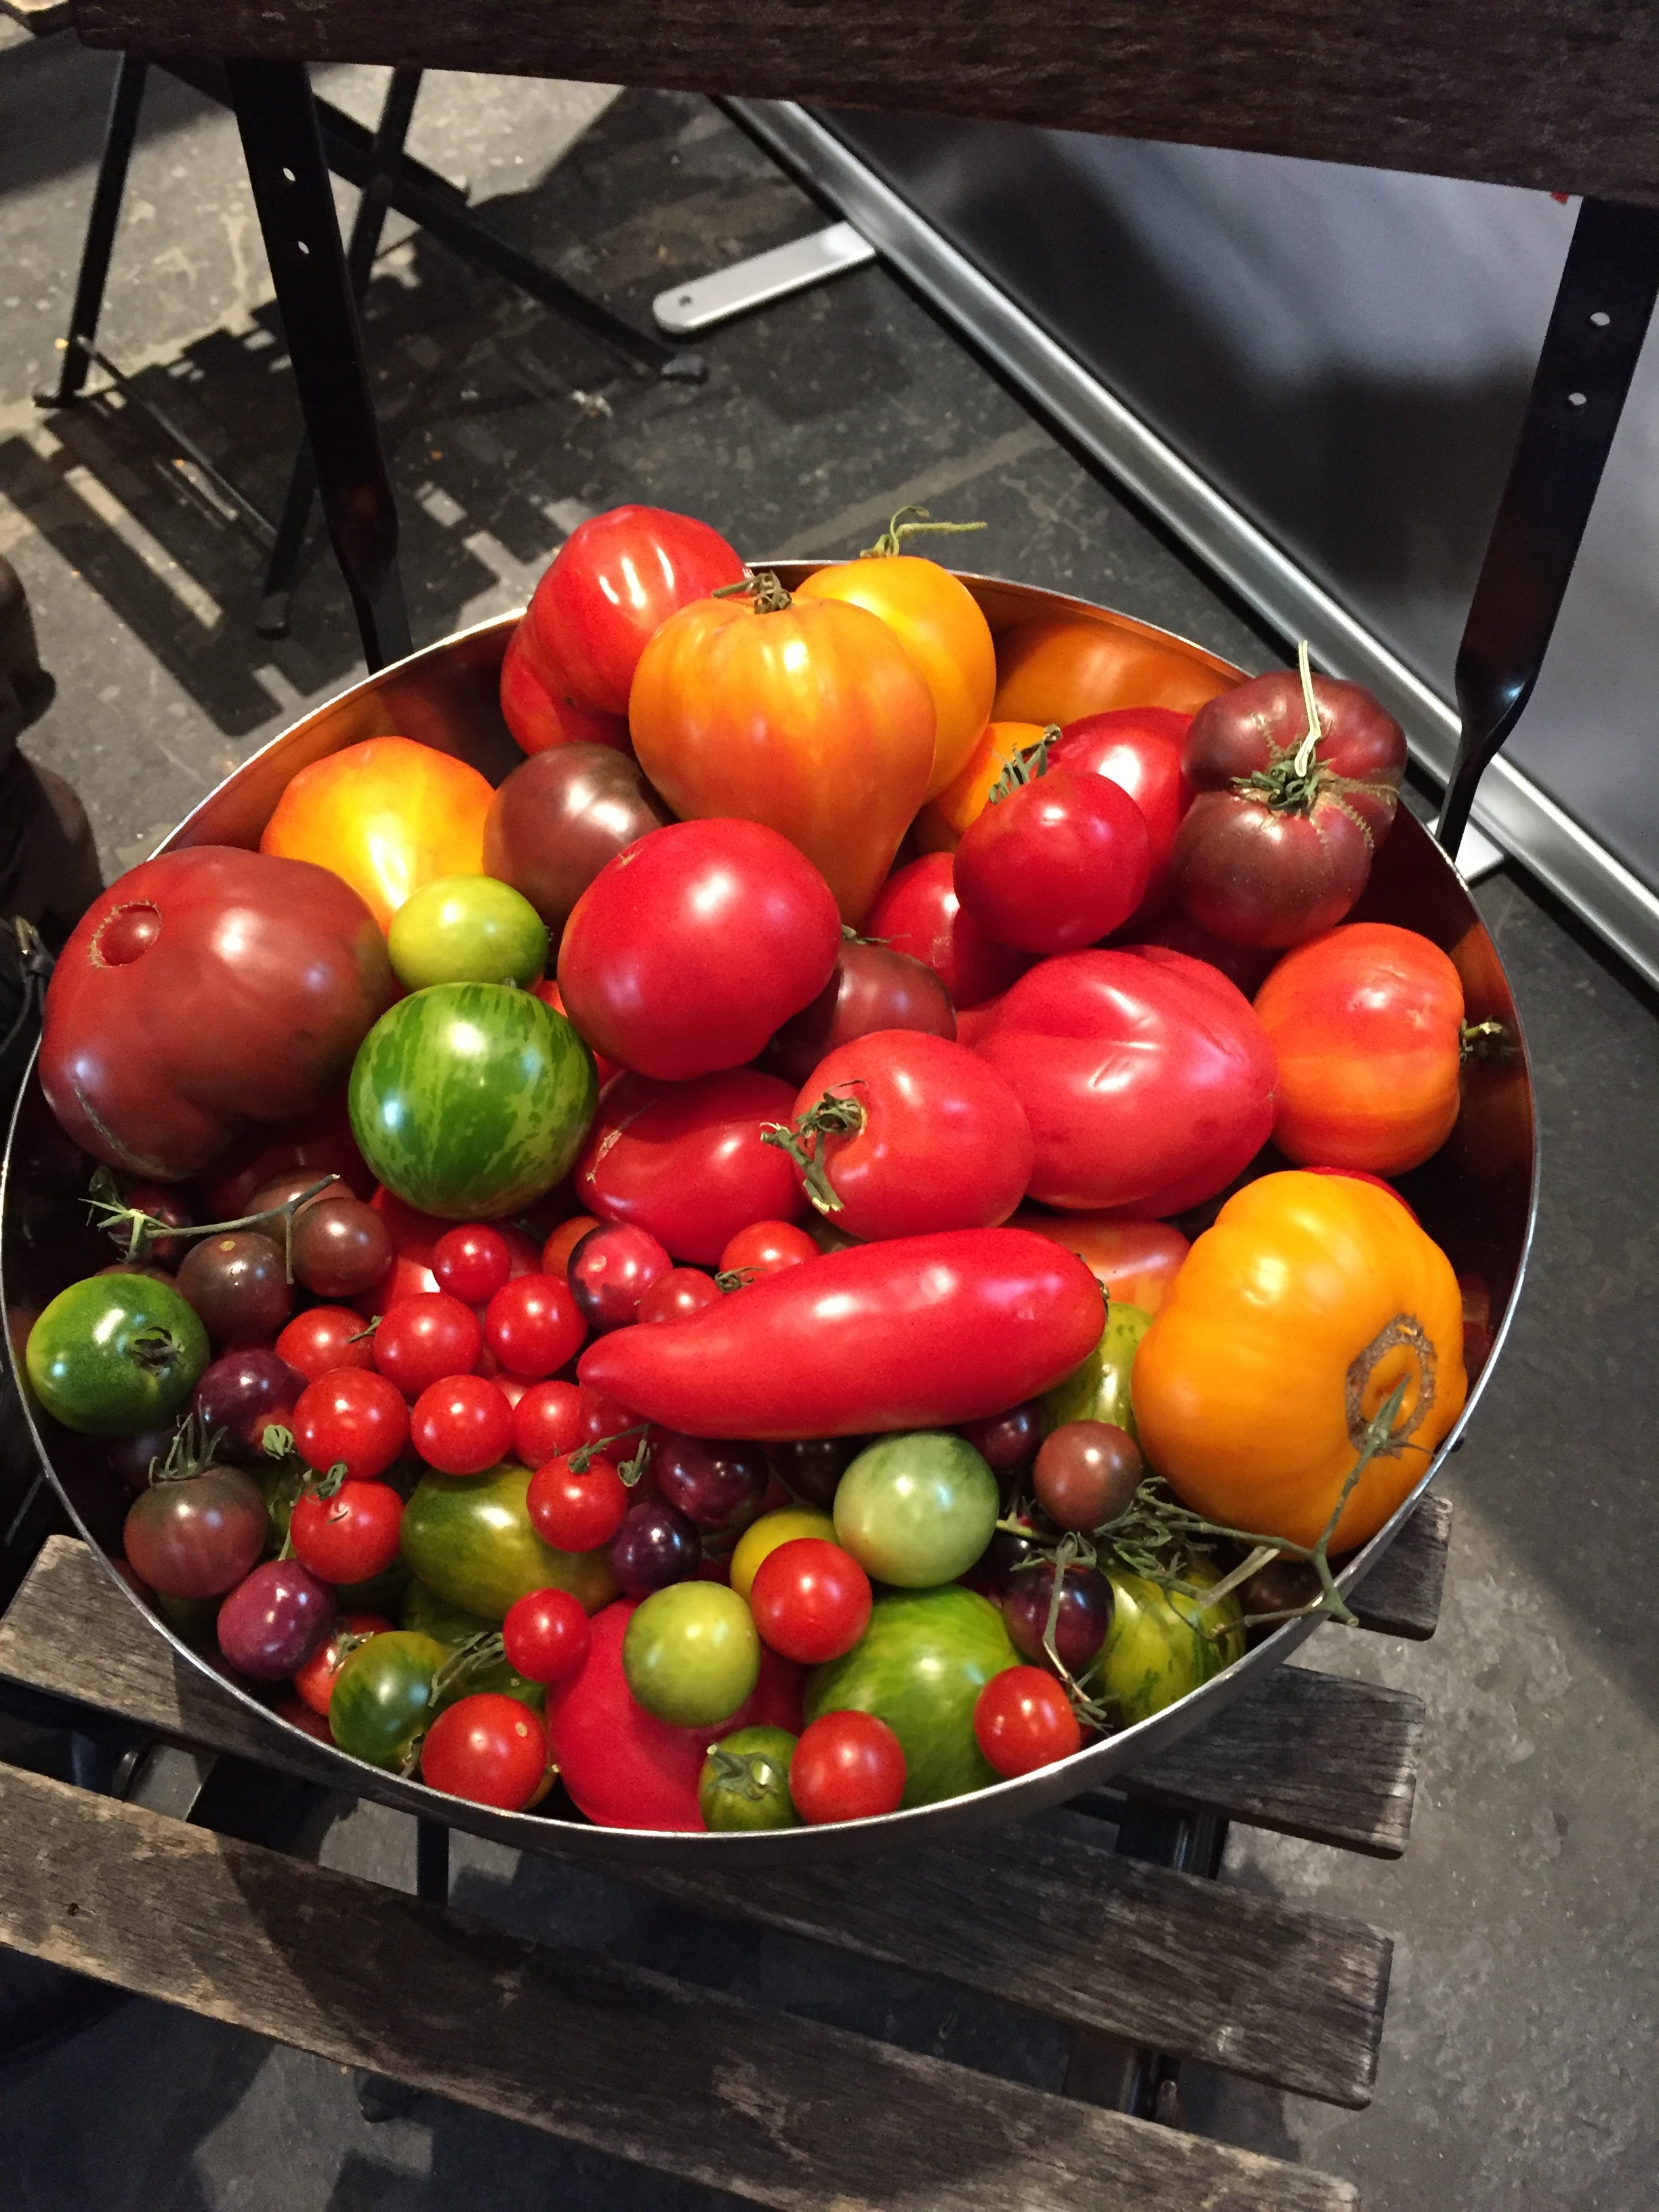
<point>424,1339</point>
<point>314,1683</point>
<point>351,1417</point>
<point>677,1295</point>
<point>918,912</point>
<point>1147,1079</point>
<point>471,1261</point>
<point>1133,1261</point>
<point>810,1600</point>
<point>1060,668</point>
<point>351,1537</point>
<point>1058,864</point>
<point>609,589</point>
<point>873,988</point>
<point>556,1253</point>
<point>462,1424</point>
<point>545,1635</point>
<point>943,820</point>
<point>1138,748</point>
<point>532,1327</point>
<point>577,1509</point>
<point>686,1160</point>
<point>537,708</point>
<point>847,1766</point>
<point>546,1421</point>
<point>1248,966</point>
<point>765,1248</point>
<point>414,1237</point>
<point>488,1748</point>
<point>1022,1720</point>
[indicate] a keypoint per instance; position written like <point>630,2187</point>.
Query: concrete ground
<point>1519,2066</point>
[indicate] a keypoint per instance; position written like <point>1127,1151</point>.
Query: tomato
<point>810,1600</point>
<point>1138,748</point>
<point>466,929</point>
<point>688,950</point>
<point>470,1539</point>
<point>918,912</point>
<point>353,1420</point>
<point>577,1509</point>
<point>1100,1389</point>
<point>656,1545</point>
<point>415,1238</point>
<point>1162,1644</point>
<point>1147,1080</point>
<point>382,1698</point>
<point>556,1253</point>
<point>387,817</point>
<point>938,620</point>
<point>460,1632</point>
<point>1086,1473</point>
<point>809,717</point>
<point>316,1145</point>
<point>745,1782</point>
<point>1024,1720</point>
<point>533,1325</point>
<point>339,1247</point>
<point>1368,1022</point>
<point>547,1421</point>
<point>242,1395</point>
<point>915,1331</point>
<point>537,708</point>
<point>846,1766</point>
<point>916,1510</point>
<point>718,1484</point>
<point>238,1286</point>
<point>1296,778</point>
<point>690,1655</point>
<point>1133,1261</point>
<point>314,1682</point>
<point>1057,862</point>
<point>610,1271</point>
<point>680,1293</point>
<point>1325,1277</point>
<point>462,1424</point>
<point>487,1749</point>
<point>999,745</point>
<point>472,1263</point>
<point>609,589</point>
<point>274,1619</point>
<point>557,819</point>
<point>1059,668</point>
<point>1176,931</point>
<point>545,1635</point>
<point>901,1134</point>
<point>1081,1619</point>
<point>116,1354</point>
<point>762,1538</point>
<point>349,1537</point>
<point>197,1537</point>
<point>686,1161</point>
<point>426,1338</point>
<point>765,1248</point>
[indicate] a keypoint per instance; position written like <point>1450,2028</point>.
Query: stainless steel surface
<point>1314,375</point>
<point>1477,1198</point>
<point>705,300</point>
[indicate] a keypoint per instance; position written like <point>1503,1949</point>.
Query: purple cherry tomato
<point>611,1270</point>
<point>1085,1614</point>
<point>240,1394</point>
<point>654,1547</point>
<point>272,1622</point>
<point>720,1486</point>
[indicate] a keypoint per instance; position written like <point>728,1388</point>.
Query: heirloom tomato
<point>533,1325</point>
<point>116,1354</point>
<point>245,1392</point>
<point>555,822</point>
<point>809,717</point>
<point>1100,1388</point>
<point>1161,1643</point>
<point>274,1619</point>
<point>1056,863</point>
<point>382,1699</point>
<point>462,1424</point>
<point>386,815</point>
<point>537,708</point>
<point>1367,1022</point>
<point>198,1536</point>
<point>466,929</point>
<point>810,1600</point>
<point>690,1655</point>
<point>916,1510</point>
<point>414,1237</point>
<point>1134,1261</point>
<point>873,988</point>
<point>468,1538</point>
<point>918,912</point>
<point>426,1338</point>
<point>788,1525</point>
<point>999,745</point>
<point>1086,1473</point>
<point>1328,1281</point>
<point>1058,668</point>
<point>353,1420</point>
<point>314,1682</point>
<point>681,1292</point>
<point>610,1271</point>
<point>744,1784</point>
<point>1138,749</point>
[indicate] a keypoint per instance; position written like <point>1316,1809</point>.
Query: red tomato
<point>300,1714</point>
<point>318,1143</point>
<point>426,1338</point>
<point>546,1421</point>
<point>1139,749</point>
<point>323,1338</point>
<point>810,1600</point>
<point>625,1770</point>
<point>314,1682</point>
<point>846,1766</point>
<point>905,1135</point>
<point>537,708</point>
<point>415,1238</point>
<point>472,1262</point>
<point>677,1295</point>
<point>348,1538</point>
<point>1147,1079</point>
<point>1135,1262</point>
<point>545,1635</point>
<point>611,1270</point>
<point>917,911</point>
<point>1246,965</point>
<point>765,1248</point>
<point>610,588</point>
<point>352,1418</point>
<point>1060,862</point>
<point>577,1511</point>
<point>1022,1720</point>
<point>532,1327</point>
<point>462,1424</point>
<point>489,1749</point>
<point>1368,1022</point>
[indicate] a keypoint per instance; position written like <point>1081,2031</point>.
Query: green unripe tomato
<point>116,1354</point>
<point>916,1510</point>
<point>745,1781</point>
<point>382,1698</point>
<point>1160,1644</point>
<point>690,1653</point>
<point>466,929</point>
<point>1098,1389</point>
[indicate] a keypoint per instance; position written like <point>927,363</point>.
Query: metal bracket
<point>684,309</point>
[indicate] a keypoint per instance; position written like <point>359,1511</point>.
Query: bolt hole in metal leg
<point>1600,319</point>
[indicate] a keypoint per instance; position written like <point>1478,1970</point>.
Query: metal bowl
<point>1476,1198</point>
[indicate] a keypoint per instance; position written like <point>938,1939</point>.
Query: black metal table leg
<point>284,148</point>
<point>119,131</point>
<point>1591,351</point>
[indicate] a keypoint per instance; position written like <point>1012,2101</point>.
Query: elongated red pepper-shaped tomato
<point>912,1332</point>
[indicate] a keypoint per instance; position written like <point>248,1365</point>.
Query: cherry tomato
<point>315,1680</point>
<point>546,1421</point>
<point>1086,1473</point>
<point>424,1339</point>
<point>1007,1442</point>
<point>349,1537</point>
<point>340,1246</point>
<point>917,911</point>
<point>545,1635</point>
<point>489,1749</point>
<point>610,1271</point>
<point>765,1248</point>
<point>677,1295</point>
<point>719,1485</point>
<point>533,1325</point>
<point>846,1766</point>
<point>414,1237</point>
<point>655,1546</point>
<point>1139,749</point>
<point>602,1420</point>
<point>300,1714</point>
<point>1022,1720</point>
<point>873,988</point>
<point>1081,1624</point>
<point>1060,862</point>
<point>462,1425</point>
<point>556,1253</point>
<point>472,1262</point>
<point>196,1537</point>
<point>324,1338</point>
<point>577,1511</point>
<point>237,1285</point>
<point>810,1600</point>
<point>240,1395</point>
<point>351,1418</point>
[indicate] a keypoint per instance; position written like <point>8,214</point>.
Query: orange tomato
<point>386,816</point>
<point>1135,1260</point>
<point>937,620</point>
<point>942,821</point>
<point>807,715</point>
<point>1288,1327</point>
<point>1367,1021</point>
<point>1062,667</point>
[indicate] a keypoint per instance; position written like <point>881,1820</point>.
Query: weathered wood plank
<point>1401,1595</point>
<point>1561,93</point>
<point>779,2110</point>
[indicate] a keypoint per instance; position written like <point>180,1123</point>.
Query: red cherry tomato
<point>917,911</point>
<point>611,1270</point>
<point>577,1511</point>
<point>315,1680</point>
<point>765,1248</point>
<point>846,1766</point>
<point>546,1421</point>
<point>810,1600</point>
<point>415,1238</point>
<point>603,1419</point>
<point>1139,749</point>
<point>1022,1720</point>
<point>486,1748</point>
<point>462,1425</point>
<point>677,1295</point>
<point>352,1418</point>
<point>300,1714</point>
<point>1060,862</point>
<point>472,1262</point>
<point>324,1338</point>
<point>545,1635</point>
<point>532,1326</point>
<point>426,1338</point>
<point>349,1537</point>
<point>556,1253</point>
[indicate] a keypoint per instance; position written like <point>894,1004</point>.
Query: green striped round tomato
<point>469,1100</point>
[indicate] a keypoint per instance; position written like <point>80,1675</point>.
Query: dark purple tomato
<point>873,988</point>
<point>130,1456</point>
<point>340,1246</point>
<point>162,1203</point>
<point>1085,1614</point>
<point>1007,1443</point>
<point>270,1623</point>
<point>611,1270</point>
<point>239,1285</point>
<point>654,1547</point>
<point>720,1486</point>
<point>559,817</point>
<point>813,1468</point>
<point>197,1537</point>
<point>1001,1560</point>
<point>240,1394</point>
<point>1086,1472</point>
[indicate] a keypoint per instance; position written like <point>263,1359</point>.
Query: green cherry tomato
<point>916,1510</point>
<point>1159,1645</point>
<point>116,1354</point>
<point>690,1655</point>
<point>468,1539</point>
<point>466,929</point>
<point>1099,1390</point>
<point>382,1696</point>
<point>745,1781</point>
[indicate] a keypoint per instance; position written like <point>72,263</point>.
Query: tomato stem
<point>189,1453</point>
<point>1026,766</point>
<point>764,589</point>
<point>832,1117</point>
<point>890,543</point>
<point>110,1211</point>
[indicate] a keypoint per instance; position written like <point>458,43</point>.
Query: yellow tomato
<point>941,824</point>
<point>762,1538</point>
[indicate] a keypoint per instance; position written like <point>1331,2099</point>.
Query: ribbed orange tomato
<point>1289,1326</point>
<point>942,821</point>
<point>388,816</point>
<point>937,620</point>
<point>1134,1261</point>
<point>808,715</point>
<point>1367,1021</point>
<point>1062,667</point>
